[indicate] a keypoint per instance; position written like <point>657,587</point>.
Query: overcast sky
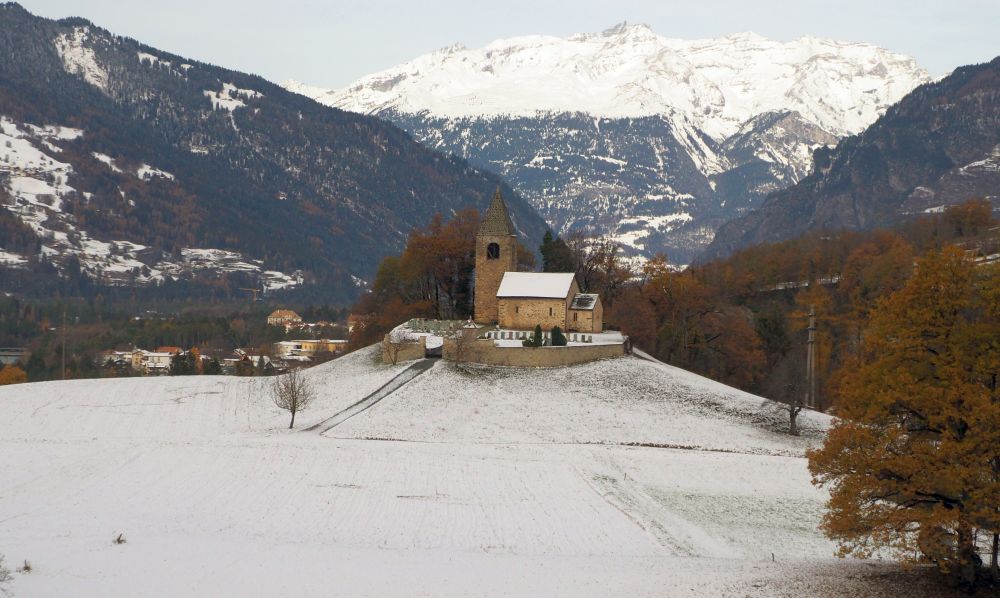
<point>331,43</point>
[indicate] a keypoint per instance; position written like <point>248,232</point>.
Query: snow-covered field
<point>616,478</point>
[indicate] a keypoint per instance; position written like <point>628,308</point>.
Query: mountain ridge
<point>630,71</point>
<point>654,141</point>
<point>938,146</point>
<point>171,170</point>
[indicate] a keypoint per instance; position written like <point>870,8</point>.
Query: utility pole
<point>811,361</point>
<point>64,344</point>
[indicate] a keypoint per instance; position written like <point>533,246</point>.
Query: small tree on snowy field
<point>793,402</point>
<point>292,392</point>
<point>5,578</point>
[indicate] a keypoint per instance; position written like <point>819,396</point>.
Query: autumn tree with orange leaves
<point>678,318</point>
<point>913,462</point>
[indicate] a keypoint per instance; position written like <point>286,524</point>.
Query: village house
<point>157,362</point>
<point>283,317</point>
<point>521,300</point>
<point>304,350</point>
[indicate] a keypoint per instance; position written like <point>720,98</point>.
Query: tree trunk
<point>968,560</point>
<point>292,423</point>
<point>993,558</point>
<point>793,414</point>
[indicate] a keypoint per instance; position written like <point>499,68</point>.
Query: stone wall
<point>485,352</point>
<point>587,320</point>
<point>581,320</point>
<point>523,313</point>
<point>407,351</point>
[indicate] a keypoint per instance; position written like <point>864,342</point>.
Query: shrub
<point>536,339</point>
<point>558,338</point>
<point>5,577</point>
<point>12,374</point>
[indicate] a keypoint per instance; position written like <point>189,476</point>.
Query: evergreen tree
<point>536,339</point>
<point>244,367</point>
<point>212,368</point>
<point>556,255</point>
<point>182,364</point>
<point>558,338</point>
<point>36,367</point>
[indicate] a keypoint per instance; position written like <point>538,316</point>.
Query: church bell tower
<point>496,253</point>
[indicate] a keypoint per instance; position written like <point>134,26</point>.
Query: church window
<point>492,251</point>
<point>550,311</point>
<point>517,309</point>
<point>574,316</point>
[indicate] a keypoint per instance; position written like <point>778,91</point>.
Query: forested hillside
<point>133,167</point>
<point>743,319</point>
<point>939,146</point>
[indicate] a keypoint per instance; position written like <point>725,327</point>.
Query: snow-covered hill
<point>540,110</point>
<point>616,478</point>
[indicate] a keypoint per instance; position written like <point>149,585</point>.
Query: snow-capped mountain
<point>644,128</point>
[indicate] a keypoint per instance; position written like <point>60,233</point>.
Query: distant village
<point>240,361</point>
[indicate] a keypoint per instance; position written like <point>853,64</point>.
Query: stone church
<point>521,300</point>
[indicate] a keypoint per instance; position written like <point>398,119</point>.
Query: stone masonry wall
<point>484,352</point>
<point>489,273</point>
<point>407,351</point>
<point>583,322</point>
<point>525,313</point>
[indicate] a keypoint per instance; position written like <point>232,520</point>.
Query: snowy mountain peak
<point>624,28</point>
<point>630,71</point>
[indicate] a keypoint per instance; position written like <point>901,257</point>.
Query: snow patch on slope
<point>147,172</point>
<point>107,160</point>
<point>152,60</point>
<point>229,98</point>
<point>80,60</point>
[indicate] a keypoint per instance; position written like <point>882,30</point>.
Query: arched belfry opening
<point>493,251</point>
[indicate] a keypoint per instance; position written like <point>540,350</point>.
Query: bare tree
<point>393,344</point>
<point>794,405</point>
<point>5,578</point>
<point>462,340</point>
<point>292,392</point>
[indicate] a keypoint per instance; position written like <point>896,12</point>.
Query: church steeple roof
<point>497,219</point>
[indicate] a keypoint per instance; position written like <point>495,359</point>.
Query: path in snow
<point>390,387</point>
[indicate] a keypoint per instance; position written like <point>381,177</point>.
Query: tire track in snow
<point>385,390</point>
<point>677,535</point>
